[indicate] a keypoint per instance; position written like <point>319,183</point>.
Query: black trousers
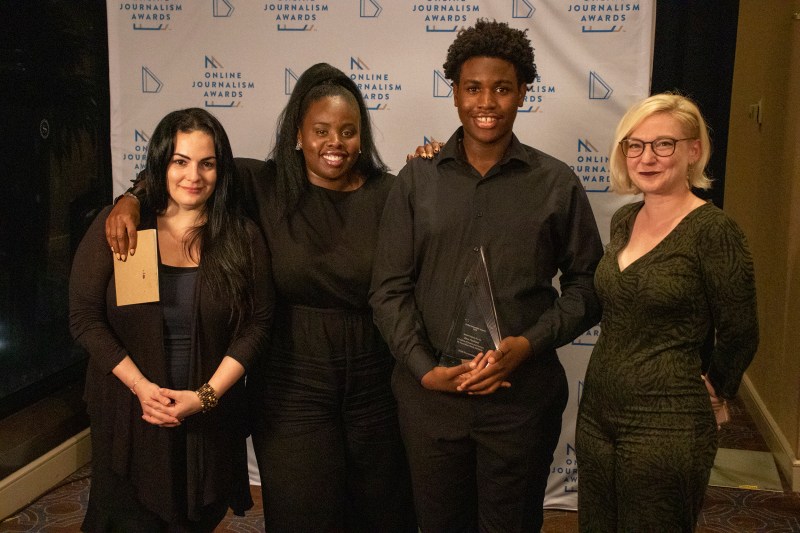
<point>326,436</point>
<point>480,463</point>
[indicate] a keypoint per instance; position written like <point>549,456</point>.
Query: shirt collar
<point>515,150</point>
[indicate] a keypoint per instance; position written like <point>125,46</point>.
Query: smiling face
<point>330,138</point>
<point>487,97</point>
<point>192,170</point>
<point>662,175</point>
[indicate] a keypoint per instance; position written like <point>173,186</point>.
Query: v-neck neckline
<point>632,221</point>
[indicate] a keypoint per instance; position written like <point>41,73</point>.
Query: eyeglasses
<point>662,146</point>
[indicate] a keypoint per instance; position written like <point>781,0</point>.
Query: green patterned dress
<point>646,434</point>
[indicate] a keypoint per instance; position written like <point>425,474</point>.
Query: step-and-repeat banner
<point>240,60</point>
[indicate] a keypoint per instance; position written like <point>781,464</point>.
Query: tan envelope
<point>137,278</point>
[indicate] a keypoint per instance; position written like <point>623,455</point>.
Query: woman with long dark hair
<point>325,427</point>
<point>164,386</point>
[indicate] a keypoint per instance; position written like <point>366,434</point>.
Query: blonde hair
<point>684,111</point>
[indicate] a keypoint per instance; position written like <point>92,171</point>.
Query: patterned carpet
<point>726,510</point>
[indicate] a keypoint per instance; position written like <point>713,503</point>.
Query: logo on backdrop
<point>428,140</point>
<point>369,9</point>
<point>598,88</point>
<point>447,15</point>
<point>222,8</point>
<point>150,15</point>
<point>150,82</point>
<point>221,87</point>
<point>138,154</point>
<point>376,87</point>
<point>442,87</point>
<point>522,9</point>
<point>568,470</point>
<point>603,16</point>
<point>296,15</point>
<point>537,95</point>
<point>591,167</point>
<point>289,79</point>
<point>588,338</point>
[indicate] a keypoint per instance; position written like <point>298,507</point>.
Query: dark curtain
<point>56,161</point>
<point>695,44</point>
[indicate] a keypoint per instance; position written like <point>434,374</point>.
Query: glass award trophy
<point>474,327</point>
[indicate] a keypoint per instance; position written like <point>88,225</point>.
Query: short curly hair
<point>491,39</point>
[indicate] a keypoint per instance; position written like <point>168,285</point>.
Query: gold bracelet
<point>208,397</point>
<point>136,382</point>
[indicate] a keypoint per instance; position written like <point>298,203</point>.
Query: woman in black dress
<point>326,435</point>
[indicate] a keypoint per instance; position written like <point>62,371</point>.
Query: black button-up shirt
<point>533,219</point>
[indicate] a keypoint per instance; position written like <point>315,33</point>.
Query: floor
<point>726,510</point>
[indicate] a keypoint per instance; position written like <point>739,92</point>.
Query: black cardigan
<point>216,450</point>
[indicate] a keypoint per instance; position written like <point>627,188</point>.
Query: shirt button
<point>479,214</point>
<point>476,249</point>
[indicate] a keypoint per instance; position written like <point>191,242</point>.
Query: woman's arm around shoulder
<point>257,181</point>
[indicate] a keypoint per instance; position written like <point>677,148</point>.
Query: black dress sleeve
<point>252,337</point>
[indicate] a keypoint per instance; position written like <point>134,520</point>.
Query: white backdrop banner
<point>240,59</point>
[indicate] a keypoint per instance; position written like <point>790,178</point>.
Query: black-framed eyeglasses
<point>661,146</point>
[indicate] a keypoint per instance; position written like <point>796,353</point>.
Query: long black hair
<point>226,255</point>
<point>317,82</point>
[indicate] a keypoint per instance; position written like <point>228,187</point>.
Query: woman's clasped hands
<point>166,407</point>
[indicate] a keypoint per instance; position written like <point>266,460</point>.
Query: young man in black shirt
<point>480,436</point>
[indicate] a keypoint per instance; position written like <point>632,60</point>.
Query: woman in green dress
<point>679,324</point>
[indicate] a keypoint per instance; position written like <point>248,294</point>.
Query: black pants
<point>327,439</point>
<point>481,463</point>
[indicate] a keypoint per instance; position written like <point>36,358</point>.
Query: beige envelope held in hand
<point>137,278</point>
